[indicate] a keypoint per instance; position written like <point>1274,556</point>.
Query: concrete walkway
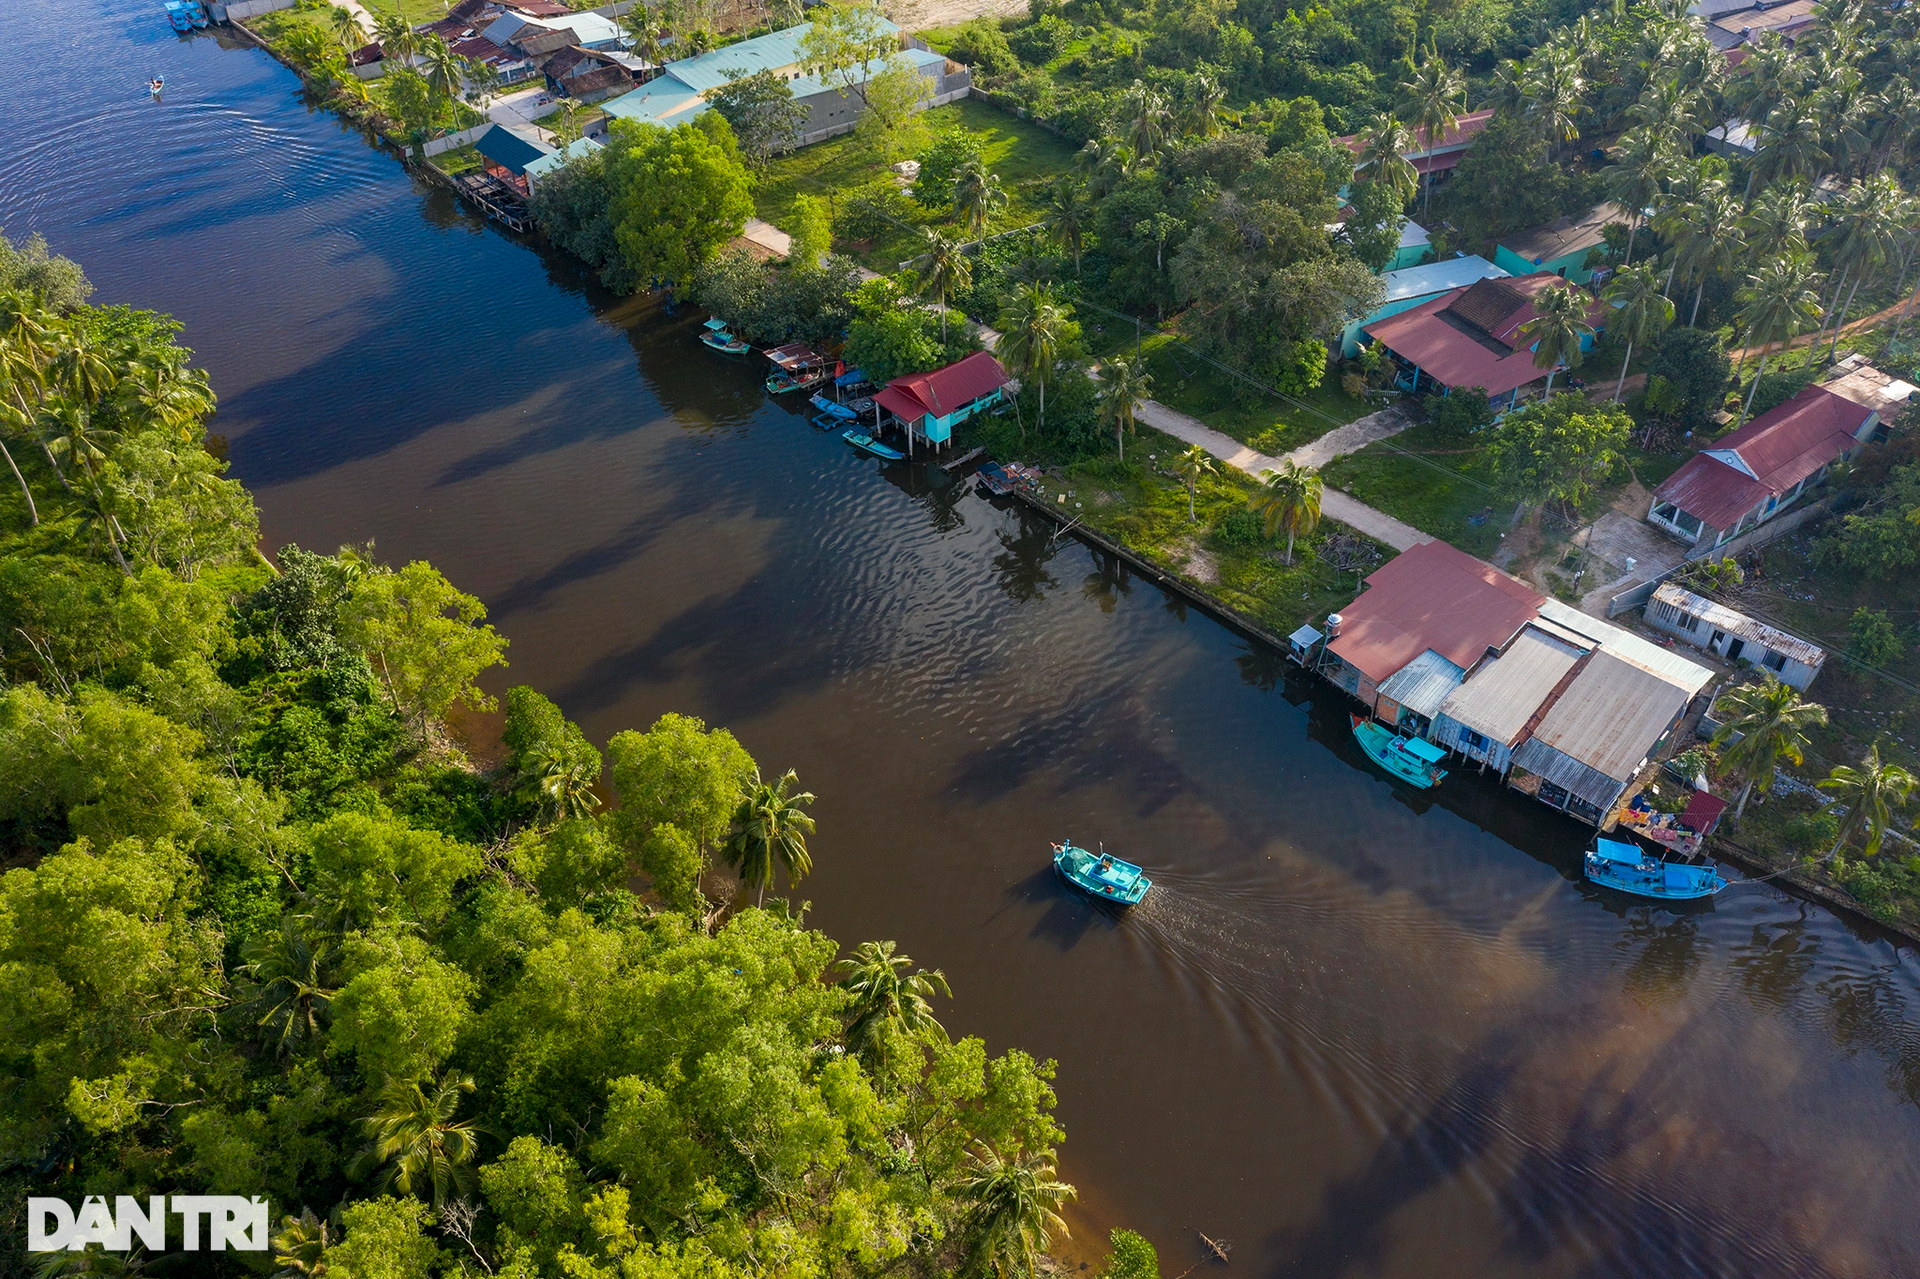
<point>1351,438</point>
<point>1333,503</point>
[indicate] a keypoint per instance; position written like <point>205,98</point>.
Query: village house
<point>1560,705</point>
<point>1729,29</point>
<point>1757,472</point>
<point>1438,159</point>
<point>1409,286</point>
<point>681,91</point>
<point>930,405</point>
<point>1725,632</point>
<point>1560,247</point>
<point>1471,337</point>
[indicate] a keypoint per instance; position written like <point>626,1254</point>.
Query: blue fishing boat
<point>1408,758</point>
<point>1100,874</point>
<point>1631,869</point>
<point>871,445</point>
<point>178,17</point>
<point>196,14</point>
<point>830,409</point>
<point>716,338</point>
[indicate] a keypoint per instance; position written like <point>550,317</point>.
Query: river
<point>1351,1034</point>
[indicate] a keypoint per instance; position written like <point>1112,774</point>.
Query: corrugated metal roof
<point>1431,596</point>
<point>663,100</point>
<point>1437,277</point>
<point>1610,716</point>
<point>1422,684</point>
<point>508,149</point>
<point>575,150</point>
<point>1566,772</point>
<point>1780,448</point>
<point>1504,693</point>
<point>1674,668</point>
<point>1735,622</point>
<point>774,51</point>
<point>920,59</point>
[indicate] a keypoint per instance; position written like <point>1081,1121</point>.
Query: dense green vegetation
<point>265,929</point>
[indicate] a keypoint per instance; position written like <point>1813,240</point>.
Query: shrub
<point>1871,636</point>
<point>1812,833</point>
<point>944,157</point>
<point>1777,388</point>
<point>983,46</point>
<point>1688,377</point>
<point>871,210</point>
<point>1462,413</point>
<point>1041,42</point>
<point>1239,527</point>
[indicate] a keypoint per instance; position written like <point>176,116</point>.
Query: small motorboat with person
<point>156,85</point>
<point>1412,760</point>
<point>867,444</point>
<point>1100,874</point>
<point>717,338</point>
<point>1631,869</point>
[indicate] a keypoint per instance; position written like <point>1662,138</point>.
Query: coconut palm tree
<point>1064,215</point>
<point>289,995</point>
<point>1031,331</point>
<point>1190,466</point>
<point>1552,89</point>
<point>79,367</point>
<point>943,270</point>
<point>300,1247</point>
<point>78,440</point>
<point>346,28</point>
<point>1640,313</point>
<point>1015,1210</point>
<point>559,782</point>
<point>1707,239</point>
<point>1384,145</point>
<point>977,196</point>
<point>1790,144</point>
<point>1289,499</point>
<point>1761,724</point>
<point>886,994</point>
<point>1873,215</point>
<point>1870,793</point>
<point>1148,121</point>
<point>1430,101</point>
<point>442,66</point>
<point>13,421</point>
<point>416,1142</point>
<point>1642,165</point>
<point>1558,327</point>
<point>1127,386</point>
<point>1507,91</point>
<point>1201,112</point>
<point>1777,303</point>
<point>397,38</point>
<point>646,33</point>
<point>769,832</point>
<point>1776,222</point>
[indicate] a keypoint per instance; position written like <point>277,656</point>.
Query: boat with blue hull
<point>1413,761</point>
<point>1631,869</point>
<point>717,338</point>
<point>831,409</point>
<point>1100,874</point>
<point>866,443</point>
<point>177,16</point>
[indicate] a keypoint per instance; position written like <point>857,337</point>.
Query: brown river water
<point>1352,1032</point>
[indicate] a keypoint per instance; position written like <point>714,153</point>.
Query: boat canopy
<point>717,324</point>
<point>1680,877</point>
<point>1615,851</point>
<point>852,377</point>
<point>1421,749</point>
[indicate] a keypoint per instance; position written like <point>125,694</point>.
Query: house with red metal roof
<point>1441,157</point>
<point>1758,471</point>
<point>1472,337</point>
<point>930,405</point>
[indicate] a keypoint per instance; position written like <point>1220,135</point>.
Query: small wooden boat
<point>781,383</point>
<point>860,440</point>
<point>178,17</point>
<point>831,409</point>
<point>1100,874</point>
<point>1408,758</point>
<point>716,338</point>
<point>1629,868</point>
<point>156,85</point>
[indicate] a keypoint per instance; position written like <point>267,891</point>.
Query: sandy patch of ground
<point>1196,561</point>
<point>917,15</point>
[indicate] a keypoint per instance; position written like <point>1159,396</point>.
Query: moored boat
<point>867,443</point>
<point>1411,760</point>
<point>1101,874</point>
<point>196,14</point>
<point>717,338</point>
<point>178,17</point>
<point>830,409</point>
<point>1629,868</point>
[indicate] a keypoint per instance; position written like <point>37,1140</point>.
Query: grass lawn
<point>414,11</point>
<point>1026,158</point>
<point>1443,488</point>
<point>1184,381</point>
<point>1223,550</point>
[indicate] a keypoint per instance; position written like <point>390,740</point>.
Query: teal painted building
<point>1560,247</point>
<point>930,405</point>
<point>1410,286</point>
